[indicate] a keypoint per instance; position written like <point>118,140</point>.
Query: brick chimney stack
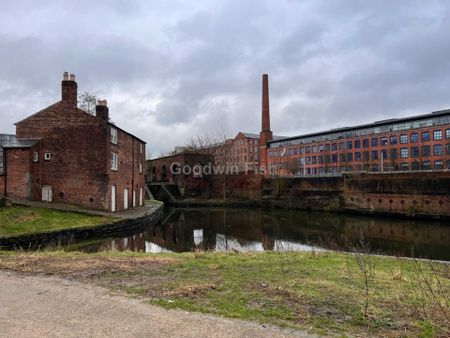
<point>102,110</point>
<point>266,134</point>
<point>69,90</point>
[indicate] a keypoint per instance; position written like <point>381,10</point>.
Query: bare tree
<point>86,101</point>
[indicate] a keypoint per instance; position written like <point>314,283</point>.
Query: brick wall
<point>242,186</point>
<point>18,173</point>
<point>76,142</point>
<point>2,184</point>
<point>128,176</point>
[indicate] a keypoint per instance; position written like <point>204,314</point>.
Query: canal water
<point>243,230</point>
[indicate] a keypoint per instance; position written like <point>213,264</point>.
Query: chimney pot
<point>101,110</point>
<point>69,90</point>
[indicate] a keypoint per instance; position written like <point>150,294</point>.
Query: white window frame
<point>140,167</point>
<point>35,157</point>
<point>113,135</point>
<point>114,162</point>
<point>47,156</point>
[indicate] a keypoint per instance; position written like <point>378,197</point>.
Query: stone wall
<point>121,228</point>
<point>409,194</point>
<point>425,194</point>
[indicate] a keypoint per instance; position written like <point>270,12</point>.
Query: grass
<point>323,293</point>
<point>18,220</point>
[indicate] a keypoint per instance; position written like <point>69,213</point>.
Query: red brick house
<point>67,155</point>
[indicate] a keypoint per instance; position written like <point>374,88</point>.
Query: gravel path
<point>36,306</point>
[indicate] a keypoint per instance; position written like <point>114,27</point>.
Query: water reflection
<point>258,230</point>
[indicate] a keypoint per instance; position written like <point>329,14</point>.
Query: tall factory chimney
<point>266,134</point>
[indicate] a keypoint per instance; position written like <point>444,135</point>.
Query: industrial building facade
<point>414,143</point>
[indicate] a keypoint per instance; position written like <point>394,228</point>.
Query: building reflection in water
<point>257,230</point>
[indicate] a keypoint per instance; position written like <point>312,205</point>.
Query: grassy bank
<point>328,293</point>
<point>18,220</point>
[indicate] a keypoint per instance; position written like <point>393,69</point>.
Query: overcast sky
<point>173,69</point>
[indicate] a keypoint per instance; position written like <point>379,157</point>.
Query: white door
<point>125,199</point>
<point>134,198</point>
<point>113,198</point>
<point>47,193</point>
<point>141,193</point>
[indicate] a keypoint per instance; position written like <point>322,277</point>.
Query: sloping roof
<point>21,143</point>
<point>81,111</point>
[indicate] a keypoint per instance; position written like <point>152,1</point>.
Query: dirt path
<point>35,306</point>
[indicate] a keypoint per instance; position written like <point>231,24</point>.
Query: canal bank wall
<point>123,227</point>
<point>411,195</point>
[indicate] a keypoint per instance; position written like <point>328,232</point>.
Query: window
<point>447,148</point>
<point>425,136</point>
<point>302,150</point>
<point>114,161</point>
<point>384,141</point>
<point>295,151</point>
<point>291,152</point>
<point>35,157</point>
<point>374,142</point>
<point>447,133</point>
<point>140,167</point>
<point>334,158</point>
<point>349,144</point>
<point>321,148</point>
<point>404,166</point>
<point>141,148</point>
<point>374,154</point>
<point>341,157</point>
<point>394,154</point>
<point>403,152</point>
<point>327,158</point>
<point>426,151</point>
<point>113,135</point>
<point>414,137</point>
<point>308,149</point>
<point>404,140</point>
<point>366,143</point>
<point>327,147</point>
<point>314,159</point>
<point>350,157</point>
<point>314,149</point>
<point>357,144</point>
<point>437,135</point>
<point>334,146</point>
<point>414,152</point>
<point>438,165</point>
<point>366,155</point>
<point>384,154</point>
<point>415,165</point>
<point>308,160</point>
<point>358,156</point>
<point>342,146</point>
<point>438,150</point>
<point>426,165</point>
<point>393,139</point>
<point>302,160</point>
<point>47,156</point>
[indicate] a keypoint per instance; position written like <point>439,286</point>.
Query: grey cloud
<point>178,68</point>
